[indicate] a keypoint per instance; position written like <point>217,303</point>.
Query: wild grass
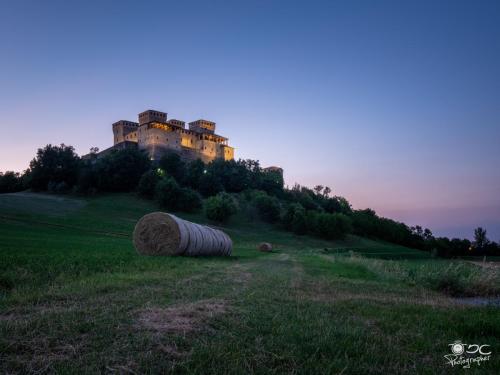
<point>457,278</point>
<point>76,299</point>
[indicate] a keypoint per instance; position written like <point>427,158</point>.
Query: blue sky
<point>393,104</point>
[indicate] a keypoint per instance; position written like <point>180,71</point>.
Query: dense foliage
<point>178,185</point>
<point>54,165</point>
<point>173,197</point>
<point>10,182</point>
<point>147,184</point>
<point>220,207</point>
<point>120,170</point>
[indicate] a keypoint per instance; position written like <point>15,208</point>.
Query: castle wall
<point>157,136</point>
<point>124,131</point>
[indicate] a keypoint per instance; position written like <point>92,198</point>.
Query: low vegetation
<point>180,186</point>
<point>76,298</point>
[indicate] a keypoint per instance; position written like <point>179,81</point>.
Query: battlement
<point>157,136</point>
<point>125,123</point>
<point>178,123</point>
<point>152,115</point>
<point>202,126</point>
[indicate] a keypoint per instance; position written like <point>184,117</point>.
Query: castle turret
<point>152,116</point>
<point>202,126</point>
<point>124,131</point>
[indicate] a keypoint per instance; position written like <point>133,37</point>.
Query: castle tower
<point>124,131</point>
<point>152,116</point>
<point>202,126</point>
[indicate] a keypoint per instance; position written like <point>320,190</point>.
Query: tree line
<point>222,188</point>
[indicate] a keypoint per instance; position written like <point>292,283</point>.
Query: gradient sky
<point>393,104</point>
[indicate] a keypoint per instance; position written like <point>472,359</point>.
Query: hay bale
<point>265,246</point>
<point>160,233</point>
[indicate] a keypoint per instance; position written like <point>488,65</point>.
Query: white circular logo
<point>457,348</point>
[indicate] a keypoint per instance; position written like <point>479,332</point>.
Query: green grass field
<point>76,298</point>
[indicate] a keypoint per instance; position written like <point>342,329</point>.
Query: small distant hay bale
<point>265,246</point>
<point>160,233</point>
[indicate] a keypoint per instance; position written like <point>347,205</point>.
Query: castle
<point>157,135</point>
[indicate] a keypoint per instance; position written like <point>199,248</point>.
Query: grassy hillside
<point>76,298</point>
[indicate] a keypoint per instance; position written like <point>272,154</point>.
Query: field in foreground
<point>76,298</point>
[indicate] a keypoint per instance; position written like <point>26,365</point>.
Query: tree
<point>318,189</point>
<point>173,166</point>
<point>10,182</point>
<point>272,182</point>
<point>53,164</point>
<point>194,172</point>
<point>332,226</point>
<point>269,208</point>
<point>220,207</point>
<point>189,200</point>
<point>121,170</point>
<point>147,184</point>
<point>167,193</point>
<point>210,184</point>
<point>294,218</point>
<point>480,239</point>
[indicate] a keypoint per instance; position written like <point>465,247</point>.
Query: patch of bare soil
<point>181,319</point>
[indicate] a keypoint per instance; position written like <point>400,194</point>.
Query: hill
<point>76,298</point>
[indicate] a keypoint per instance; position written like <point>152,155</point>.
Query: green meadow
<point>75,298</point>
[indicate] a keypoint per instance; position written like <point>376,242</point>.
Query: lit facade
<point>157,135</point>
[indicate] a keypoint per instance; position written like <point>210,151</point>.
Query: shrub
<point>58,187</point>
<point>147,184</point>
<point>294,218</point>
<point>189,200</point>
<point>330,226</point>
<point>220,207</point>
<point>167,193</point>
<point>269,208</point>
<point>172,197</point>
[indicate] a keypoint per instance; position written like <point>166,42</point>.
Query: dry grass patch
<point>181,319</point>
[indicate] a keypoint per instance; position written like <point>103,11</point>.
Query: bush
<point>294,218</point>
<point>330,226</point>
<point>147,184</point>
<point>10,182</point>
<point>167,193</point>
<point>58,187</point>
<point>189,200</point>
<point>269,208</point>
<point>172,197</point>
<point>220,207</point>
<point>173,166</point>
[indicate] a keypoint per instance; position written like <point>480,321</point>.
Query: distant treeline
<point>228,187</point>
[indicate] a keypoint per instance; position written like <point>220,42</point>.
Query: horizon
<point>394,106</point>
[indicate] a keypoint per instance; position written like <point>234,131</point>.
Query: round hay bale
<point>265,246</point>
<point>160,233</point>
<point>157,234</point>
